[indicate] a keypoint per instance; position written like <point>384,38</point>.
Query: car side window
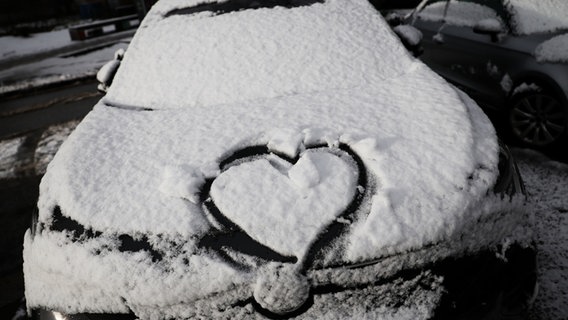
<point>464,13</point>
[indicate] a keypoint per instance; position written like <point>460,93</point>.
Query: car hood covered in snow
<point>138,199</point>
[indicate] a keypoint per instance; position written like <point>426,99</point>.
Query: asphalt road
<point>36,111</point>
<point>28,116</point>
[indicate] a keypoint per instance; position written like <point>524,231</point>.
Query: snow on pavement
<point>57,69</point>
<point>11,46</point>
<point>12,160</point>
<point>547,185</point>
<point>15,76</point>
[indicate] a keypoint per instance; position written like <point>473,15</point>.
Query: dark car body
<point>482,47</point>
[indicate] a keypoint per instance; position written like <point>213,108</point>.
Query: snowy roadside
<point>51,57</point>
<point>545,180</point>
<point>547,184</point>
<point>17,159</point>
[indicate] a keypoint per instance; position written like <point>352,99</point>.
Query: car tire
<point>536,117</point>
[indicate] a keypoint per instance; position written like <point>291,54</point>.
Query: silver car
<point>510,55</point>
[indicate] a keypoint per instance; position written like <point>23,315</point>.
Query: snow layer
<point>528,16</point>
<point>436,155</point>
<point>50,141</point>
<point>11,46</point>
<point>546,184</point>
<point>18,158</point>
<point>412,35</point>
<point>300,199</point>
<point>109,180</point>
<point>9,157</point>
<point>531,16</point>
<point>554,50</point>
<point>56,69</point>
<point>331,73</point>
<point>466,14</point>
<point>200,59</point>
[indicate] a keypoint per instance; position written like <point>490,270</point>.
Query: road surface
<point>28,116</point>
<point>39,110</point>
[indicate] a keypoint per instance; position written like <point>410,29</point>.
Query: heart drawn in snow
<point>287,204</point>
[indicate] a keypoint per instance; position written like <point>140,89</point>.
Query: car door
<point>456,48</point>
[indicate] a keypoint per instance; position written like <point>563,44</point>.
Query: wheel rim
<point>537,119</point>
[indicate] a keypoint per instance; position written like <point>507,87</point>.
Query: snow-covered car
<point>258,159</point>
<point>509,55</point>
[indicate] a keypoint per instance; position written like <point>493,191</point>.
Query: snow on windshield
<point>530,16</point>
<point>205,59</point>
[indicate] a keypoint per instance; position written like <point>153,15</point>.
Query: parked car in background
<point>278,159</point>
<point>509,55</point>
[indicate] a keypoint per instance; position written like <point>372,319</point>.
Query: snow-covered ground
<point>70,59</point>
<point>547,185</point>
<point>57,69</point>
<point>11,46</point>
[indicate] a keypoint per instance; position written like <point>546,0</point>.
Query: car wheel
<point>537,118</point>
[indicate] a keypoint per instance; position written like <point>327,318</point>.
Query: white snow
<point>285,141</point>
<point>531,16</point>
<point>554,50</point>
<point>9,156</point>
<point>492,69</point>
<point>17,160</point>
<point>183,181</point>
<point>56,69</point>
<point>465,14</point>
<point>219,59</point>
<point>281,288</point>
<point>528,16</point>
<point>305,173</point>
<point>264,193</point>
<point>546,184</point>
<point>524,87</point>
<point>331,72</point>
<point>50,141</point>
<point>506,83</point>
<point>107,71</point>
<point>11,46</point>
<point>490,25</point>
<point>545,181</point>
<point>410,33</point>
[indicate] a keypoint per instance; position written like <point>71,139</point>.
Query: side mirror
<point>410,37</point>
<point>394,19</point>
<point>106,73</point>
<point>491,26</point>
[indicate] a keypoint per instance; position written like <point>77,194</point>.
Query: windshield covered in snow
<point>197,55</point>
